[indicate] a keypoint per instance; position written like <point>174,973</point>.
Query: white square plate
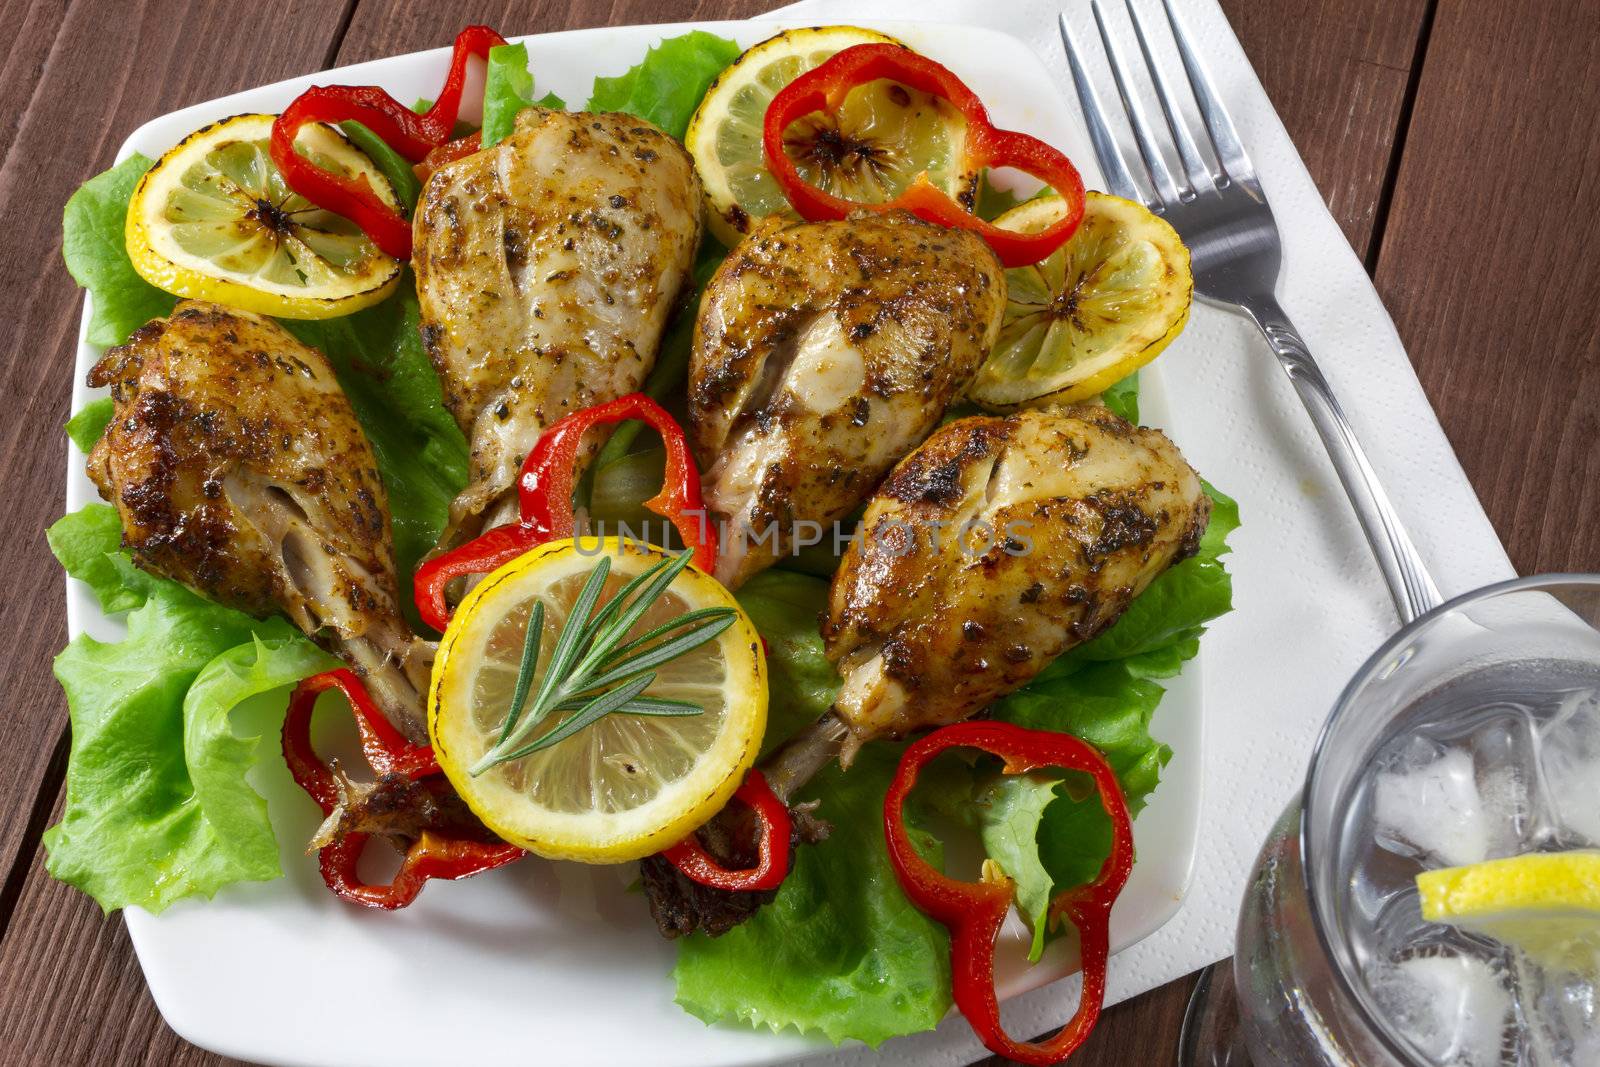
<point>544,962</point>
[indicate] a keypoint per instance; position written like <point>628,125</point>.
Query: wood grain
<point>70,100</point>
<point>1487,265</point>
<point>1339,72</point>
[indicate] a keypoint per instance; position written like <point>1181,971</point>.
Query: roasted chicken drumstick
<point>547,266</point>
<point>238,468</point>
<point>1031,534</point>
<point>823,353</point>
<point>994,547</point>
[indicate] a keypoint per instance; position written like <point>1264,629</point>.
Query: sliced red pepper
<point>824,89</point>
<point>386,749</point>
<point>408,133</point>
<point>444,852</point>
<point>690,857</point>
<point>448,153</point>
<point>487,552</point>
<point>433,856</point>
<point>973,911</point>
<point>544,496</point>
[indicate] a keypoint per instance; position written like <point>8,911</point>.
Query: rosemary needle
<point>592,672</point>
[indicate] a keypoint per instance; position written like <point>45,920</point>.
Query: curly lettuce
<point>839,952</point>
<point>92,244</point>
<point>157,805</point>
<point>507,89</point>
<point>667,85</point>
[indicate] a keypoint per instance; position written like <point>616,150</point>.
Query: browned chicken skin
<point>547,267</point>
<point>992,549</point>
<point>1072,514</point>
<point>237,467</point>
<point>823,353</point>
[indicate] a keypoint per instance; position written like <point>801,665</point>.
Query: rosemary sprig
<point>592,673</point>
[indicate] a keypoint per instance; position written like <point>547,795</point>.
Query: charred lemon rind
<point>213,220</point>
<point>1106,303</point>
<point>523,802</point>
<point>883,138</point>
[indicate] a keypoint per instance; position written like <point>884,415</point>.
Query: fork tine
<point>1194,166</point>
<point>1166,189</point>
<point>1224,138</point>
<point>1112,165</point>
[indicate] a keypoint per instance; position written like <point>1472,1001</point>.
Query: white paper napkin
<point>1309,604</point>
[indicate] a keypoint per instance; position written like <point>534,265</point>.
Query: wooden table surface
<point>1456,141</point>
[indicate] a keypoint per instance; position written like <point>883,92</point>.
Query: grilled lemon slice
<point>1096,310</point>
<point>628,785</point>
<point>1547,904</point>
<point>213,220</point>
<point>883,137</point>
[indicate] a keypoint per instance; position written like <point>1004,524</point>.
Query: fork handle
<point>1403,570</point>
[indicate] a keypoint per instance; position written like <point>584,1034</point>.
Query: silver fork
<point>1224,219</point>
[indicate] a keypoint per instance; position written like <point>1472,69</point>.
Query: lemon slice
<point>628,785</point>
<point>1100,307</point>
<point>213,220</point>
<point>883,137</point>
<point>1547,904</point>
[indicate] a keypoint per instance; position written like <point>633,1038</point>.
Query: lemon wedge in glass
<point>883,136</point>
<point>214,220</point>
<point>627,785</point>
<point>1544,904</point>
<point>1094,311</point>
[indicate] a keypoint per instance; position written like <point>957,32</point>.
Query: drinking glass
<point>1473,733</point>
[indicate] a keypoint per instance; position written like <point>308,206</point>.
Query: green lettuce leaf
<point>422,456</point>
<point>86,427</point>
<point>1106,693</point>
<point>377,354</point>
<point>88,544</point>
<point>1006,811</point>
<point>1123,398</point>
<point>841,951</point>
<point>507,89</point>
<point>666,86</point>
<point>157,804</point>
<point>801,683</point>
<point>92,244</point>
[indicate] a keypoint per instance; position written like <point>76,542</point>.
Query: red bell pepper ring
<point>973,911</point>
<point>824,89</point>
<point>487,552</point>
<point>544,496</point>
<point>433,855</point>
<point>448,153</point>
<point>690,857</point>
<point>386,750</point>
<point>408,133</point>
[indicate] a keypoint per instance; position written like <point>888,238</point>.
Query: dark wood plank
<point>70,990</point>
<point>1337,73</point>
<point>389,27</point>
<point>1486,265</point>
<point>71,96</point>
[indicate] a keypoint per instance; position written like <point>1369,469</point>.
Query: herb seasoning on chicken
<point>547,267</point>
<point>823,353</point>
<point>992,549</point>
<point>238,468</point>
